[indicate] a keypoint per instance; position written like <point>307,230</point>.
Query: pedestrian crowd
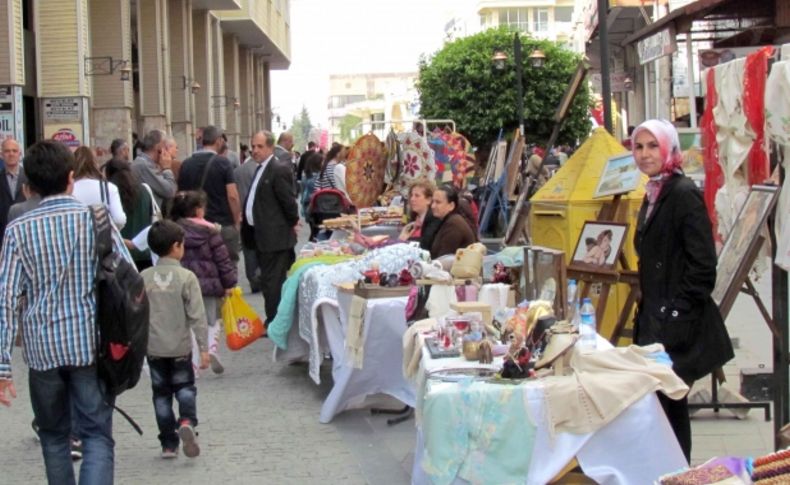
<point>183,224</point>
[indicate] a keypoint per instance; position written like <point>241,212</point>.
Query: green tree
<point>460,82</point>
<point>300,129</point>
<point>347,125</point>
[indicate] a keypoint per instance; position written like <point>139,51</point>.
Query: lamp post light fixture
<point>106,66</point>
<point>499,60</point>
<point>190,83</point>
<point>536,59</point>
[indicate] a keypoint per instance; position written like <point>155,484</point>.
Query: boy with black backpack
<point>49,257</point>
<point>176,306</point>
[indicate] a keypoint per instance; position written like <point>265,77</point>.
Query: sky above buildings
<point>353,36</point>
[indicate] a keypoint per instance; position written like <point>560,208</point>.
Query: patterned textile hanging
<point>365,166</point>
<point>714,178</point>
<point>755,74</point>
<point>417,162</point>
<point>454,158</point>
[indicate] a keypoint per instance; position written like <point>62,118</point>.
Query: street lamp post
<point>536,58</point>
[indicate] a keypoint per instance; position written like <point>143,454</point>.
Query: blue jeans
<point>173,376</point>
<point>55,394</point>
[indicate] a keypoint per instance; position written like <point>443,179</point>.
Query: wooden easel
<point>607,278</point>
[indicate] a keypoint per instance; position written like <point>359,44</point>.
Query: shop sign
<point>657,45</point>
<point>6,113</point>
<point>67,137</point>
<point>62,109</point>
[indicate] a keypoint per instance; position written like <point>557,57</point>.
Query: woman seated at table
<point>454,232</point>
<point>423,225</point>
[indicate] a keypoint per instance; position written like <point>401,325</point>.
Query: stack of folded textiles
<point>716,471</point>
<point>772,469</point>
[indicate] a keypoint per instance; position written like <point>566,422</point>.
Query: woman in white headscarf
<point>677,270</point>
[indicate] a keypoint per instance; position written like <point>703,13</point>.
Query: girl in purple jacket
<point>206,255</point>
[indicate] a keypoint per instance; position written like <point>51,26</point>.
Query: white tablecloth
<point>384,325</point>
<point>635,448</point>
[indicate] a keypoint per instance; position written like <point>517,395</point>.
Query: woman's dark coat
<point>677,273</point>
<point>453,234</point>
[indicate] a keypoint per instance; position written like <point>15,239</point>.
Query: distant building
<point>543,19</point>
<point>378,100</point>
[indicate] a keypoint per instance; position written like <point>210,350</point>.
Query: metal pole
<point>646,85</point>
<point>606,87</point>
<point>519,85</point>
<point>691,79</point>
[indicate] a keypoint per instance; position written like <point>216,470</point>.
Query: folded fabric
<point>603,384</point>
<point>355,341</point>
<point>413,340</point>
<point>438,303</point>
<point>495,294</point>
<point>279,327</point>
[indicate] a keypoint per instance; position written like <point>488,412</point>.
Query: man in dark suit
<point>270,215</point>
<point>12,177</point>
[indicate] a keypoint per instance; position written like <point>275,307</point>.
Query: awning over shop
<point>723,22</point>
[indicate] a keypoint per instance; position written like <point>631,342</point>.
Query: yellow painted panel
<point>18,74</point>
<point>58,53</point>
<point>5,54</point>
<point>560,208</point>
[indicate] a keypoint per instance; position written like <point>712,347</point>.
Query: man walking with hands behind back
<point>270,216</point>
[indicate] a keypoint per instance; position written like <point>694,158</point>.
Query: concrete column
<point>181,75</point>
<point>267,96</point>
<point>62,52</point>
<point>113,99</point>
<point>232,96</point>
<point>261,112</point>
<point>246,94</point>
<point>12,71</point>
<point>153,61</point>
<point>203,59</point>
<point>218,100</point>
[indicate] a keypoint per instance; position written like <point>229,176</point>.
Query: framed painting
<point>740,249</point>
<point>599,246</point>
<point>620,176</point>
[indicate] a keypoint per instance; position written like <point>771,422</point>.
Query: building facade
<point>543,19</point>
<point>361,103</point>
<point>88,71</point>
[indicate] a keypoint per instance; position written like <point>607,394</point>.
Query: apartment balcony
<point>262,27</point>
<point>216,4</point>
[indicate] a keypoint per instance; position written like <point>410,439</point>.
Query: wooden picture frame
<point>739,251</point>
<point>620,175</point>
<point>542,264</point>
<point>599,246</point>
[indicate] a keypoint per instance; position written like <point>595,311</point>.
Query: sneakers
<point>188,439</point>
<point>169,453</point>
<point>76,449</point>
<point>216,365</point>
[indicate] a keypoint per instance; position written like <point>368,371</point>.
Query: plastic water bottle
<point>589,334</point>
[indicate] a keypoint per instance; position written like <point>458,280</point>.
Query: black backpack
<point>121,312</point>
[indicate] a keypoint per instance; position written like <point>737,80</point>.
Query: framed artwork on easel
<point>739,251</point>
<point>620,176</point>
<point>599,246</point>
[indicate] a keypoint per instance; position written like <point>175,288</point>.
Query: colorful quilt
<point>394,158</point>
<point>417,161</point>
<point>455,161</point>
<point>365,167</point>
